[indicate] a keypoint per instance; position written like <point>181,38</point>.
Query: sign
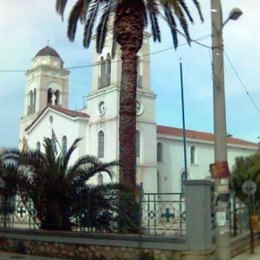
<point>249,187</point>
<point>219,170</point>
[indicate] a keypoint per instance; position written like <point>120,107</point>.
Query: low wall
<point>97,246</point>
<point>109,246</point>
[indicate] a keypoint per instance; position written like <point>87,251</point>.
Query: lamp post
<point>220,167</point>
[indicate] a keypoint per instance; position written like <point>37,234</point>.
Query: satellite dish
<point>249,187</point>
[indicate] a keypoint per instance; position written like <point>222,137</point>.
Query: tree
<point>246,168</point>
<point>130,19</point>
<point>57,189</point>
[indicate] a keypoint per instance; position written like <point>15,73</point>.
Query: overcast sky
<point>26,26</point>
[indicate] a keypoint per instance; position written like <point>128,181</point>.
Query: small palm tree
<point>246,168</point>
<point>55,187</point>
<point>130,20</point>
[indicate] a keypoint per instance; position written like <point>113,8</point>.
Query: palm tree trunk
<point>129,35</point>
<point>127,123</point>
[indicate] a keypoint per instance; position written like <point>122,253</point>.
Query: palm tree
<point>56,188</point>
<point>128,27</point>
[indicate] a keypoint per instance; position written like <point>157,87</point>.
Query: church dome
<point>48,51</point>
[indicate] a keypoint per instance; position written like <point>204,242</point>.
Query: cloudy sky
<point>26,26</point>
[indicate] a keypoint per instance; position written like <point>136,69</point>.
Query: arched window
<point>139,77</point>
<point>64,144</point>
<point>101,140</point>
<point>49,98</point>
<point>159,152</point>
<point>192,154</point>
<point>34,100</point>
<point>137,143</point>
<point>57,97</point>
<point>108,69</point>
<point>105,71</point>
<point>38,146</point>
<point>100,179</point>
<point>30,106</point>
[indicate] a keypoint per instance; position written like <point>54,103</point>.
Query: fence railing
<point>154,214</point>
<point>164,213</point>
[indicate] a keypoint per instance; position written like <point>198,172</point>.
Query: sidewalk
<point>248,256</point>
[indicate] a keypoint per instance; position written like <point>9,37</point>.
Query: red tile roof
<point>71,113</point>
<point>166,130</point>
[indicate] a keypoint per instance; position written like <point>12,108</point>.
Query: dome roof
<point>48,51</point>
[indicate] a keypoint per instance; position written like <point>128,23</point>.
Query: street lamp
<point>220,167</point>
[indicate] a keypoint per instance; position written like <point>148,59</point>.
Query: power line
<point>242,83</point>
<point>147,54</point>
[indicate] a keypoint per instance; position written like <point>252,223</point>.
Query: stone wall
<point>108,246</point>
<point>97,246</point>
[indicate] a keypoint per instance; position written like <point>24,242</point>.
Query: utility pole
<point>219,169</point>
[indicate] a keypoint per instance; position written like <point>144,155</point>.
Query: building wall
<point>62,126</point>
<point>172,166</point>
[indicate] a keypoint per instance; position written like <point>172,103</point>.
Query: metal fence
<point>164,213</point>
<point>239,217</point>
<point>155,214</point>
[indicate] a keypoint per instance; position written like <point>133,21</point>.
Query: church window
<point>105,71</point>
<point>64,144</point>
<point>192,154</point>
<point>103,67</point>
<point>34,100</point>
<point>101,140</point>
<point>30,106</point>
<point>49,101</point>
<point>100,180</point>
<point>108,69</point>
<point>57,97</point>
<point>139,77</point>
<point>38,146</point>
<point>137,143</point>
<point>159,152</point>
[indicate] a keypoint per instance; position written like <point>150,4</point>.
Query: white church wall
<point>62,126</point>
<point>172,165</point>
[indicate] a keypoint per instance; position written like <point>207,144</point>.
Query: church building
<point>160,163</point>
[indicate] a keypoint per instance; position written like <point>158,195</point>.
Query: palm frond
<point>101,167</point>
<point>152,8</point>
<point>176,8</point>
<point>196,2</point>
<point>79,165</point>
<point>102,26</point>
<point>186,10</point>
<point>91,16</point>
<point>77,13</point>
<point>60,7</point>
<point>49,151</point>
<point>172,24</point>
<point>70,151</point>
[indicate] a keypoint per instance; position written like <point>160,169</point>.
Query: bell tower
<point>46,84</point>
<point>103,108</point>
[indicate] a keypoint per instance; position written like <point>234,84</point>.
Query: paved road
<point>248,256</point>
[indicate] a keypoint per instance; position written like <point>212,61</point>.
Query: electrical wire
<point>242,83</point>
<point>115,61</point>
